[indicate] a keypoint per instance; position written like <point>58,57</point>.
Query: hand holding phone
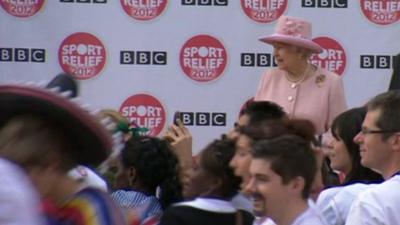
<point>177,115</point>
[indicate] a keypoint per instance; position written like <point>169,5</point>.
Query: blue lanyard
<point>398,173</point>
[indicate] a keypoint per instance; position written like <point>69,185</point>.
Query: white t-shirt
<point>309,217</point>
<point>334,203</point>
<point>377,205</point>
<point>19,202</point>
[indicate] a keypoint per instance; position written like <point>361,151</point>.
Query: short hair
<point>215,159</point>
<point>345,127</point>
<point>259,111</point>
<point>156,166</point>
<point>275,128</point>
<point>389,105</point>
<point>291,156</point>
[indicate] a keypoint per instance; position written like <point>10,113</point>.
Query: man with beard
<point>282,172</point>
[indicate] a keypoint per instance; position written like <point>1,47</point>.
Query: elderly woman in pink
<point>304,90</point>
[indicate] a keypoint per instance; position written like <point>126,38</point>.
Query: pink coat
<point>319,98</point>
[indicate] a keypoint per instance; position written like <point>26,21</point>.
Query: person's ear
<point>131,172</point>
<point>296,186</point>
<point>395,141</point>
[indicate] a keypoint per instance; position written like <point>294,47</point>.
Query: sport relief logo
<point>333,56</point>
<point>264,11</point>
<point>203,58</point>
<point>382,12</point>
<point>83,55</point>
<point>144,111</point>
<point>144,9</point>
<point>22,8</point>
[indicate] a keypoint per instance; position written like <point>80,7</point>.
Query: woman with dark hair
<point>211,185</point>
<point>147,165</point>
<point>345,155</point>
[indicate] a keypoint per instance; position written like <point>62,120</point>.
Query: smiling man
<point>379,142</point>
<point>282,173</point>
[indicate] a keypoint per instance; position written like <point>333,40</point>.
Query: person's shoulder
<point>381,192</point>
<point>327,194</point>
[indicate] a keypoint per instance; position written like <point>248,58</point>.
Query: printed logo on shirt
<point>203,118</point>
<point>145,111</point>
<point>377,61</point>
<point>203,58</point>
<point>143,57</point>
<point>382,12</point>
<point>37,55</point>
<point>22,8</point>
<point>264,11</point>
<point>205,2</point>
<point>84,1</point>
<point>144,9</point>
<point>257,60</point>
<point>82,55</point>
<point>333,56</point>
<point>324,3</point>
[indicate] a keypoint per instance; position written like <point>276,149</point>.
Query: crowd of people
<point>295,156</point>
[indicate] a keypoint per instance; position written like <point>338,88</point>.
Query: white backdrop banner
<point>150,58</point>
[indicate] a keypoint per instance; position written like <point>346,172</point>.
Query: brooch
<point>320,79</point>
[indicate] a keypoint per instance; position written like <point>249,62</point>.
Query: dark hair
<point>290,156</point>
<point>389,105</point>
<point>345,127</point>
<point>275,128</point>
<point>155,165</point>
<point>215,159</point>
<point>259,111</point>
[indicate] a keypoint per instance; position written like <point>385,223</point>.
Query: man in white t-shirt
<point>282,172</point>
<point>379,142</point>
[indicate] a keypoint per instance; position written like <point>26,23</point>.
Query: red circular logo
<point>264,11</point>
<point>382,12</point>
<point>83,55</point>
<point>22,8</point>
<point>203,58</point>
<point>144,111</point>
<point>144,9</point>
<point>332,57</point>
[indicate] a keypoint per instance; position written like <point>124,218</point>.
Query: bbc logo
<point>203,118</point>
<point>22,55</point>
<point>143,57</point>
<point>257,59</point>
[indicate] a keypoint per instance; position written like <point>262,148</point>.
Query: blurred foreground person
<point>47,135</point>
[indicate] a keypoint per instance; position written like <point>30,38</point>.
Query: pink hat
<point>293,31</point>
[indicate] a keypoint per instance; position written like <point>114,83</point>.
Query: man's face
<point>374,151</point>
<point>267,189</point>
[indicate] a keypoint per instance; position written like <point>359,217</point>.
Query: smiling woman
<point>345,155</point>
<point>304,90</point>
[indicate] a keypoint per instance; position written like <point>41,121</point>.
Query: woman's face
<point>240,162</point>
<point>199,181</point>
<point>339,156</point>
<point>287,56</point>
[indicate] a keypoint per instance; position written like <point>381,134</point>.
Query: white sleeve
<point>363,212</point>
